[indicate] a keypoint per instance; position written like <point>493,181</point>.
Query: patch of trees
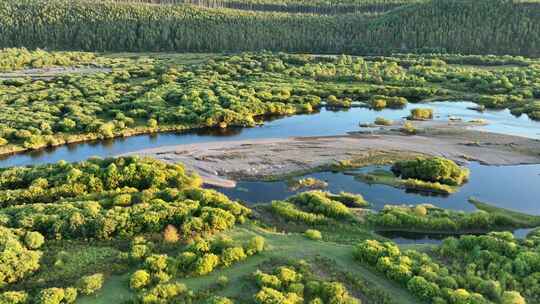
<point>421,114</point>
<point>428,218</point>
<point>199,258</point>
<point>19,255</point>
<point>434,169</point>
<point>290,284</point>
<point>493,268</point>
<point>317,207</point>
<point>142,95</point>
<point>394,102</point>
<point>52,182</point>
<point>105,199</point>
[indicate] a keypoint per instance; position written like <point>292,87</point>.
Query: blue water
<point>324,123</point>
<point>512,187</point>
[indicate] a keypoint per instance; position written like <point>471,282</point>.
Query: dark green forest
<point>473,27</point>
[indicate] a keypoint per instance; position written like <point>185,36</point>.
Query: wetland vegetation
<point>148,230</point>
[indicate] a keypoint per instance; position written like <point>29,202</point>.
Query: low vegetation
<point>421,114</point>
<point>306,183</point>
<point>427,218</point>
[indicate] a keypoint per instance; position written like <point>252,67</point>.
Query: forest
<point>497,27</point>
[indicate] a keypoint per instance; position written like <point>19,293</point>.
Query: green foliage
<point>14,59</point>
<point>88,188</point>
<point>435,169</point>
<point>163,293</point>
<point>394,102</point>
<point>139,279</point>
<point>219,300</point>
<point>421,114</point>
<point>408,128</point>
<point>472,269</point>
<point>255,245</point>
<point>429,218</point>
<point>34,240</point>
<point>90,284</point>
<point>306,183</point>
<point>56,296</point>
<point>13,297</point>
<point>16,260</point>
<point>313,234</point>
<point>290,284</point>
<point>320,202</point>
<point>411,28</point>
<point>232,255</point>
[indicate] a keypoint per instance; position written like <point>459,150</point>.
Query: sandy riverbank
<point>219,163</point>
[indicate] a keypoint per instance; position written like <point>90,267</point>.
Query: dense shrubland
<point>142,95</point>
<point>101,200</point>
<point>426,25</point>
<point>493,268</point>
<point>14,59</point>
<point>430,219</point>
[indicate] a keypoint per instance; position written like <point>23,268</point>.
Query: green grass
<point>115,290</point>
<point>385,177</point>
<point>522,219</point>
<point>284,246</point>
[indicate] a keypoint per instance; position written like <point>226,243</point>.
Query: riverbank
<point>220,163</point>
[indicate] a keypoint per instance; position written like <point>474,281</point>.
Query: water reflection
<point>324,123</point>
<point>512,187</point>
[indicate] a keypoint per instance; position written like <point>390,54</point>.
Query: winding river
<point>324,123</point>
<point>515,187</point>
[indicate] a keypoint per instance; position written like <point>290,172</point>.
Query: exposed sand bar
<point>221,162</point>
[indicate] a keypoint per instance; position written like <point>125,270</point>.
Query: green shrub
<point>313,234</point>
<point>434,169</point>
<point>421,114</point>
<point>232,255</point>
<point>90,284</point>
<point>161,293</point>
<point>56,296</point>
<point>34,240</point>
<point>381,102</point>
<point>255,245</point>
<point>13,297</point>
<point>267,280</point>
<point>408,128</point>
<point>139,279</point>
<point>206,264</point>
<point>223,281</point>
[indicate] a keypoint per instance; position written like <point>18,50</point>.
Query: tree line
<point>499,27</point>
